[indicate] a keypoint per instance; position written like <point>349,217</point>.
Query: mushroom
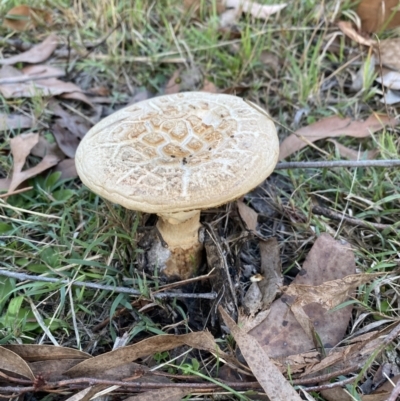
<point>176,155</point>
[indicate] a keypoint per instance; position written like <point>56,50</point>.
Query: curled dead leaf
<point>376,15</point>
<point>36,54</point>
<point>23,17</point>
<point>333,127</point>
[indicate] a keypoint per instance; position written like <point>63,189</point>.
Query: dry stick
<point>131,291</point>
<point>340,163</point>
<point>17,191</point>
<point>331,385</point>
<point>323,211</point>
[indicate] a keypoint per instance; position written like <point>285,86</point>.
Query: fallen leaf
<point>353,154</point>
<point>390,79</point>
<point>347,28</point>
<point>41,87</point>
<point>12,362</point>
<point>378,14</point>
<point>67,168</point>
<point>68,129</point>
<point>21,147</point>
<point>15,121</point>
<point>391,97</point>
<point>248,215</point>
<point>23,17</point>
<point>332,127</point>
<point>336,394</point>
<point>36,54</point>
<point>254,9</point>
<point>43,148</point>
<point>34,352</point>
<point>280,333</point>
<point>200,340</point>
<point>78,95</point>
<point>387,52</point>
<point>234,8</point>
<point>271,271</point>
<point>187,80</point>
<point>267,374</point>
<point>209,87</point>
<point>163,394</point>
<point>11,75</point>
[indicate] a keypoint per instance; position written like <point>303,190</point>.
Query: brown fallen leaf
<point>23,17</point>
<point>353,154</point>
<point>21,147</point>
<point>34,352</point>
<point>209,87</point>
<point>67,168</point>
<point>376,15</point>
<point>347,28</point>
<point>42,87</point>
<point>11,75</point>
<point>248,215</point>
<point>271,271</point>
<point>267,374</point>
<point>185,80</point>
<point>15,121</point>
<point>78,95</point>
<point>280,333</point>
<point>12,362</point>
<point>36,54</point>
<point>390,79</point>
<point>68,129</point>
<point>387,51</point>
<point>332,127</point>
<point>163,394</point>
<point>200,340</point>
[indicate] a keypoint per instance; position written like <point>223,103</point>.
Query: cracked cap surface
<point>180,152</point>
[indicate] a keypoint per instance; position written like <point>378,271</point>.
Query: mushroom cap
<point>180,152</point>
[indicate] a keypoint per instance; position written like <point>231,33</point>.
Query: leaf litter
<point>305,308</point>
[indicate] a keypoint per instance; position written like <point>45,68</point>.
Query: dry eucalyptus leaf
<point>271,270</point>
<point>267,374</point>
<point>280,333</point>
<point>40,87</point>
<point>353,154</point>
<point>333,126</point>
<point>378,14</point>
<point>391,97</point>
<point>200,340</point>
<point>34,352</point>
<point>387,52</point>
<point>21,147</point>
<point>347,28</point>
<point>390,79</point>
<point>12,362</point>
<point>77,95</point>
<point>87,394</point>
<point>15,121</point>
<point>36,54</point>
<point>162,394</point>
<point>68,129</point>
<point>10,75</point>
<point>234,8</point>
<point>336,394</point>
<point>23,17</point>
<point>248,215</point>
<point>53,369</point>
<point>67,168</point>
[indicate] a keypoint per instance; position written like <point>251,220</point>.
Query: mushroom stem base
<point>185,250</point>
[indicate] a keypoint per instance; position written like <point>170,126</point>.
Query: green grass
<point>94,241</point>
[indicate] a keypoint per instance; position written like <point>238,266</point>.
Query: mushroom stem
<point>180,232</point>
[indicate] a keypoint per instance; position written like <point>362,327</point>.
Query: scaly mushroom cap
<point>178,152</point>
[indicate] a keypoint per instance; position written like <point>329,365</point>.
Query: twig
<point>340,163</point>
<point>17,191</point>
<point>24,78</point>
<point>342,383</point>
<point>323,211</point>
<point>131,291</point>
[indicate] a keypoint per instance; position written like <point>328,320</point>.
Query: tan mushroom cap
<point>180,152</point>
